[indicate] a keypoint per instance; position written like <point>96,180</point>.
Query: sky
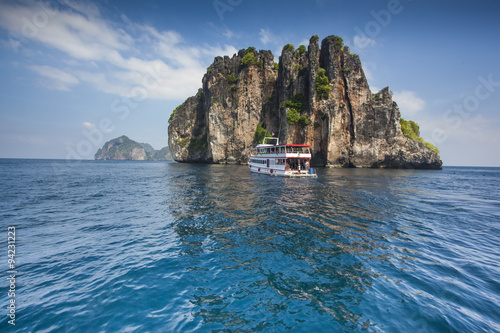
<point>75,74</point>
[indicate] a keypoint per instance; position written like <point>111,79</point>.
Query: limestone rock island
<point>123,148</point>
<point>315,96</point>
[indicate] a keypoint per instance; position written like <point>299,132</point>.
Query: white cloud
<point>58,79</point>
<point>408,101</point>
<point>88,8</point>
<point>228,33</point>
<point>88,125</point>
<point>67,31</point>
<point>114,57</point>
<point>463,141</point>
<point>362,42</point>
<point>266,36</point>
<point>456,129</point>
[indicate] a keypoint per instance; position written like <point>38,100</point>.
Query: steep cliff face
<point>318,96</point>
<point>217,125</point>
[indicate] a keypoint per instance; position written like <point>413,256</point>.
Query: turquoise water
<point>166,247</point>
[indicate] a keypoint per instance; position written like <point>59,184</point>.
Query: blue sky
<point>75,74</point>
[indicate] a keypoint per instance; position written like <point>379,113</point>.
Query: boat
<point>285,160</point>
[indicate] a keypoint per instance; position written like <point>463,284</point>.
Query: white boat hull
<point>282,173</point>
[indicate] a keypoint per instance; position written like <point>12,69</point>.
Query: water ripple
<point>113,246</point>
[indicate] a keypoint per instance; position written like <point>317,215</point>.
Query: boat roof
<point>282,145</point>
<point>277,143</point>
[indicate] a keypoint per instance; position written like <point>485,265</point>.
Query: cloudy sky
<point>75,74</point>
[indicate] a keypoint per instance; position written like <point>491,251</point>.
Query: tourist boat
<point>286,160</point>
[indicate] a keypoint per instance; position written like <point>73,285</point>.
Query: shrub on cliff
<point>339,42</point>
<point>292,116</point>
<point>411,130</point>
<point>248,59</point>
<point>260,134</point>
<point>288,48</point>
<point>322,86</point>
<point>297,103</point>
<point>173,114</point>
<point>296,106</point>
<point>231,78</point>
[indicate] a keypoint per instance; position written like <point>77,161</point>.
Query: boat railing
<point>276,141</point>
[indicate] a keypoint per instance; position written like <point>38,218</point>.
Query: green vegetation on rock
<point>296,106</point>
<point>249,58</point>
<point>173,114</point>
<point>302,49</point>
<point>288,48</point>
<point>293,118</point>
<point>260,134</point>
<point>411,130</point>
<point>322,86</point>
<point>182,142</point>
<point>297,103</point>
<point>339,42</point>
<point>231,78</point>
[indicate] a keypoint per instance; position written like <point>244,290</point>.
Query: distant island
<point>315,96</point>
<point>123,148</point>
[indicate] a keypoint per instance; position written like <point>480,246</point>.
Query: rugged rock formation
<point>123,148</point>
<point>318,96</point>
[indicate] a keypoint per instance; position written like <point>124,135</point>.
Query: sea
<point>137,246</point>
